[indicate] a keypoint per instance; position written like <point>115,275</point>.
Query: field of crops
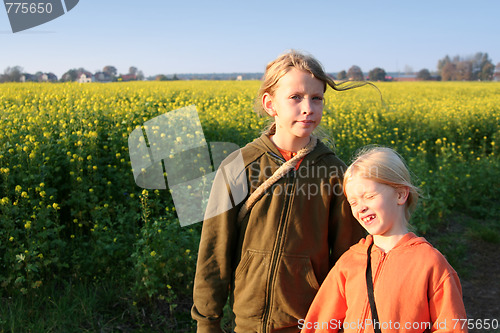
<point>71,211</point>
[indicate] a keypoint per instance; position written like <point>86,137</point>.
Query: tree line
<point>473,68</point>
<point>478,67</point>
<point>108,74</point>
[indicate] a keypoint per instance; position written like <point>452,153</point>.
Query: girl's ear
<point>267,103</point>
<point>403,193</point>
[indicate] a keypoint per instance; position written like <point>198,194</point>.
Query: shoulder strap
<point>280,172</point>
<point>371,296</point>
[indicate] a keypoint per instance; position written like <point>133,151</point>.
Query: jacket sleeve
<point>214,266</point>
<point>328,309</point>
<point>446,305</point>
<point>344,229</point>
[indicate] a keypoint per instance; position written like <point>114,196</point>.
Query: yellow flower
<point>153,253</point>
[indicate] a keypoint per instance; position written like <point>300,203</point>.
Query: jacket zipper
<point>379,267</point>
<point>278,246</point>
<point>277,157</point>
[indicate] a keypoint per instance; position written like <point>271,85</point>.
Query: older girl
<point>272,251</point>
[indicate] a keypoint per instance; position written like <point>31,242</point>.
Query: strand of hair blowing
<point>280,172</point>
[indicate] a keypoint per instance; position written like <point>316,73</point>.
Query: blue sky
<point>167,37</point>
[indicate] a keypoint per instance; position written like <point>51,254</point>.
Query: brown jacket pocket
<point>250,284</point>
<point>295,289</point>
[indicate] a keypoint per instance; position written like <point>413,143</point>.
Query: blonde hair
<point>384,165</point>
<point>279,67</point>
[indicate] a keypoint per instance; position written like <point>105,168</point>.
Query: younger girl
<point>402,284</point>
<point>272,251</point>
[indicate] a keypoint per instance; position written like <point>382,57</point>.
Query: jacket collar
<point>409,239</point>
<point>263,144</point>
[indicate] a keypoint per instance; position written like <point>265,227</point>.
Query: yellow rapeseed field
<point>67,188</point>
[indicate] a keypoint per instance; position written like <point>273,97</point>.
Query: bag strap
<point>371,296</point>
<point>280,172</point>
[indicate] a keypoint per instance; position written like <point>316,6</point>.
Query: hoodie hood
<point>408,240</point>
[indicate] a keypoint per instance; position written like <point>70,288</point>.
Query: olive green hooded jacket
<point>275,258</point>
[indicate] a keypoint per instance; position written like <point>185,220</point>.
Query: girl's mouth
<point>368,219</point>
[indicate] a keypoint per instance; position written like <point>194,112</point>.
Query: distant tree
<point>478,67</point>
<point>133,75</point>
<point>51,77</point>
<point>132,70</point>
<point>483,67</point>
<point>463,71</point>
<point>487,72</point>
<point>140,75</point>
<point>443,62</point>
<point>449,72</point>
<point>39,76</point>
<point>111,71</point>
<point>424,74</point>
<point>342,75</point>
<point>355,73</point>
<point>161,77</point>
<point>70,75</point>
<point>12,74</point>
<point>377,74</point>
<point>74,74</point>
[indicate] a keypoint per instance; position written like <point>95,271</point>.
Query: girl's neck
<point>290,145</point>
<point>387,243</point>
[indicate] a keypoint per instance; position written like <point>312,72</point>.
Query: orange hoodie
<point>415,289</point>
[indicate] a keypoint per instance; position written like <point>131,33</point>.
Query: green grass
<point>82,307</point>
<point>455,237</point>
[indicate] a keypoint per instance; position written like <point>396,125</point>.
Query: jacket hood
<point>263,145</point>
<point>409,239</point>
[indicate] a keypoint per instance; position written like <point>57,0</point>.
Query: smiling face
<point>379,208</point>
<point>297,108</point>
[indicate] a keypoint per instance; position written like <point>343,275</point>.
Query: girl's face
<point>297,105</point>
<point>379,208</point>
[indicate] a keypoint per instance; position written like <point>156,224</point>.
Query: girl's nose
<point>307,107</point>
